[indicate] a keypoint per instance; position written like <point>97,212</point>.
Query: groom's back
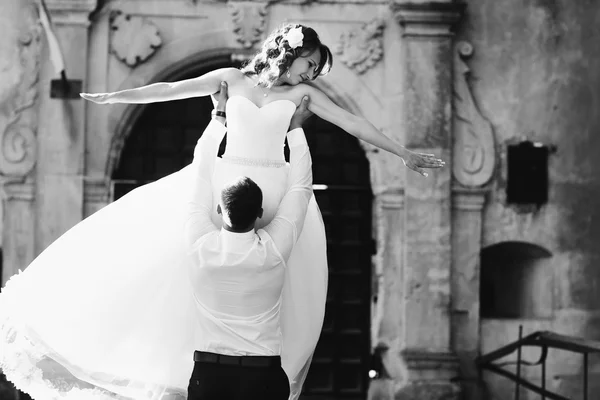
<point>237,281</point>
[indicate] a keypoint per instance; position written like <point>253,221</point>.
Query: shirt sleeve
<point>289,218</point>
<point>200,202</point>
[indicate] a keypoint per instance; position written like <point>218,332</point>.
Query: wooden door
<point>339,368</point>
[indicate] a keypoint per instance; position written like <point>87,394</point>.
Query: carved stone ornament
<point>248,21</point>
<point>362,48</point>
<point>18,140</point>
<point>134,39</point>
<point>474,152</point>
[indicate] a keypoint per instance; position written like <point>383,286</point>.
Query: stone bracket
<point>474,154</point>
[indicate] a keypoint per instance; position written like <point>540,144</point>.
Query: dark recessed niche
<point>516,281</point>
<point>527,178</point>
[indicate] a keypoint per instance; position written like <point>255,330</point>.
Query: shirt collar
<point>238,236</point>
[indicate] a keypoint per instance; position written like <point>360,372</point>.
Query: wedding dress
<point>106,311</point>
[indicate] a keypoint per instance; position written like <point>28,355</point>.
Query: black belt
<point>246,361</point>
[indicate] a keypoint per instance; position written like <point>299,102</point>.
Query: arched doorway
<point>162,141</point>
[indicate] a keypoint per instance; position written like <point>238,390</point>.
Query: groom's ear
<point>219,209</point>
<point>260,213</point>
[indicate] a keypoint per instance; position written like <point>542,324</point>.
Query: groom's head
<point>241,204</point>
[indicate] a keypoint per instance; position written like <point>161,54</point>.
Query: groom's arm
<point>200,203</point>
<point>291,213</point>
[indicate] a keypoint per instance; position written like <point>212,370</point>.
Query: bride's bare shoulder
<point>231,74</point>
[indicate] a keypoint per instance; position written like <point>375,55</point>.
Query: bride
<point>106,312</point>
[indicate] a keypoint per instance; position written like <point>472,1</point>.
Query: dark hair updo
<point>276,55</point>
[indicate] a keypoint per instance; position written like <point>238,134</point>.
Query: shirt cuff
<point>215,129</point>
<point>296,137</point>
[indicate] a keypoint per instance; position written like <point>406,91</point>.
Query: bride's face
<point>303,68</point>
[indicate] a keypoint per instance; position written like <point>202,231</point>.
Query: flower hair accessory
<point>294,37</point>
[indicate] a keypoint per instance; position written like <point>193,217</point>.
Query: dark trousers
<point>237,378</point>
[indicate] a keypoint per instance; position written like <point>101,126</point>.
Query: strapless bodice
<point>257,133</point>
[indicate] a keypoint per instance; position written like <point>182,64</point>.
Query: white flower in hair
<point>294,37</point>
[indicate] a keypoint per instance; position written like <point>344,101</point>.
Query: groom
<point>239,272</point>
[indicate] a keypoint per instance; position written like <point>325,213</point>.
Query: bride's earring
<point>288,73</point>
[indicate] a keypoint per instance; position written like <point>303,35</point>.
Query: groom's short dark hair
<point>242,201</point>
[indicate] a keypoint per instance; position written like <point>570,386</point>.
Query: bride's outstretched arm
<point>204,85</point>
<point>362,129</point>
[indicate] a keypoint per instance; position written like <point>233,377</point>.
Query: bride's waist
<point>252,161</point>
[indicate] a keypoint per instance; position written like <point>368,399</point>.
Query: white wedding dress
<point>106,311</point>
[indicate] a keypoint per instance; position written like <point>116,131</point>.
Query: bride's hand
<point>418,161</point>
<point>99,98</point>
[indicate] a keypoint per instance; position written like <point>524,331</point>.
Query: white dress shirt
<point>238,278</point>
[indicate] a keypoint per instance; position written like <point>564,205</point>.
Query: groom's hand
<point>301,115</point>
<point>219,112</point>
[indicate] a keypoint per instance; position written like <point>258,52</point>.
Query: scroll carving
<point>474,152</point>
<point>249,21</point>
<point>18,139</point>
<point>134,39</point>
<point>362,48</point>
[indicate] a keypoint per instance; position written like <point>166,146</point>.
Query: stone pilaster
<point>388,324</point>
<point>19,227</point>
<point>18,141</point>
<point>473,166</point>
<point>61,129</point>
<point>466,247</point>
<point>427,110</point>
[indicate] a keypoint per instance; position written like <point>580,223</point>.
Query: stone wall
<point>522,69</point>
<point>535,75</point>
<point>19,67</point>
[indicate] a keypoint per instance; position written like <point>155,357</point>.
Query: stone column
<point>427,110</point>
<point>17,238</point>
<point>61,129</point>
<point>466,248</point>
<point>474,162</point>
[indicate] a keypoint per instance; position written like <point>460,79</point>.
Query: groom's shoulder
<point>263,236</point>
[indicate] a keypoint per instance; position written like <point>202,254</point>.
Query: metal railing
<point>544,340</point>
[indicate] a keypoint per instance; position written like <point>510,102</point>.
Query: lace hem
<point>253,162</point>
<point>37,370</point>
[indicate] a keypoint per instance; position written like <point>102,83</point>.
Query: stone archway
<point>126,115</point>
